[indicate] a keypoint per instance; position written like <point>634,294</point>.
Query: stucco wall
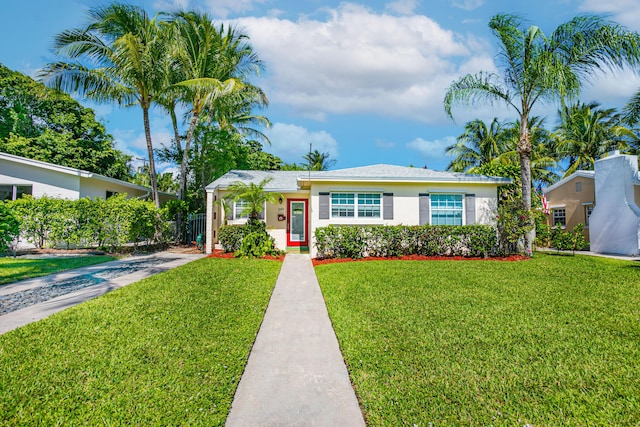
<point>44,181</point>
<point>405,202</point>
<point>97,189</point>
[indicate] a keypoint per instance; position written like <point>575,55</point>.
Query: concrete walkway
<point>44,309</point>
<point>295,375</point>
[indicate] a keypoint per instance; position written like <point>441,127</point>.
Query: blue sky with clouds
<point>362,81</point>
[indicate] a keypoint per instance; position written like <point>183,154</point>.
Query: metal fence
<point>197,225</point>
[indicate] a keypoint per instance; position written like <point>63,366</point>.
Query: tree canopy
<point>48,125</point>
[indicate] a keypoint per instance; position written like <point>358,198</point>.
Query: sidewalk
<point>102,278</point>
<point>295,375</point>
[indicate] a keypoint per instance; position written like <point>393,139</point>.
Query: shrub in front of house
<point>247,240</point>
<point>360,241</point>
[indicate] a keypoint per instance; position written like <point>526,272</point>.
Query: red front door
<point>297,222</point>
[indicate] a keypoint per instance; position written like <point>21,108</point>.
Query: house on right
<point>606,200</point>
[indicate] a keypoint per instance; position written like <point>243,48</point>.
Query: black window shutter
<point>470,208</point>
<point>423,201</point>
<point>323,206</point>
<point>387,205</point>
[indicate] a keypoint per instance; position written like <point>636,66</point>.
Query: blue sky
<point>362,81</point>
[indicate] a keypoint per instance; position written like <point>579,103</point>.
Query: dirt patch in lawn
<point>511,258</point>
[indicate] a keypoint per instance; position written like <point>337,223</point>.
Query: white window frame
<point>14,190</point>
<point>357,196</point>
<point>554,217</point>
<point>432,210</point>
<point>237,208</point>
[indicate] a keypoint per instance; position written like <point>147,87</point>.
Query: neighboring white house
<point>378,194</point>
<point>20,176</point>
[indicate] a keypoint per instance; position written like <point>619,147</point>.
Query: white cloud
<point>402,7</point>
<point>385,145</point>
<point>467,4</point>
<point>291,142</point>
<point>431,149</point>
<point>172,5</point>
<point>357,61</point>
<point>612,89</point>
<point>626,12</point>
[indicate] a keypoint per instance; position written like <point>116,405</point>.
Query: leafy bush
<point>355,241</point>
<point>573,240</point>
<point>231,236</point>
<point>88,222</point>
<point>256,245</point>
<point>9,227</point>
<point>247,240</point>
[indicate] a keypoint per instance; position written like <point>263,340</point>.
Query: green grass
<point>550,341</point>
<point>168,350</point>
<point>14,269</point>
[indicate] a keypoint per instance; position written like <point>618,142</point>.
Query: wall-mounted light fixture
<point>280,200</point>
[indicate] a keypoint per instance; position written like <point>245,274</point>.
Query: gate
<point>197,225</point>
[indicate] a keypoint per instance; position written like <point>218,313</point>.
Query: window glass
<point>240,210</point>
<point>369,205</point>
<point>559,217</point>
<point>343,205</point>
<point>446,209</point>
<point>6,192</point>
<point>587,213</point>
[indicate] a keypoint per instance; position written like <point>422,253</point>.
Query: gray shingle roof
<point>402,173</point>
<point>281,180</point>
<point>288,180</point>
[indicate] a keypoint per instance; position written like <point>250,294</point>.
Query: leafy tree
<point>47,125</point>
<point>120,55</point>
<point>254,195</point>
<point>587,132</point>
<point>318,161</point>
<point>538,68</point>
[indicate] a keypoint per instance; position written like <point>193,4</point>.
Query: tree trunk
<point>176,135</point>
<point>185,156</point>
<point>524,151</point>
<point>152,164</point>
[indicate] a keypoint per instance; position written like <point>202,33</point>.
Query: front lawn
<point>550,341</point>
<point>14,269</point>
<point>169,350</point>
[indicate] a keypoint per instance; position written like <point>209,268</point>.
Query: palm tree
<point>587,132</point>
<point>119,56</point>
<point>212,61</point>
<point>254,195</point>
<point>318,161</point>
<point>540,68</point>
<point>477,146</point>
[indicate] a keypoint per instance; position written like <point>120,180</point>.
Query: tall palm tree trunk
<point>524,151</point>
<point>185,156</point>
<point>152,163</point>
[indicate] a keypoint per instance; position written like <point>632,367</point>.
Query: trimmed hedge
<point>52,222</point>
<point>360,241</point>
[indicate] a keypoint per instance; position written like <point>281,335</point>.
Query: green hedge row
<point>50,222</point>
<point>356,241</point>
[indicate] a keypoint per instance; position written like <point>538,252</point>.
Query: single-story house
<point>571,201</point>
<point>606,200</point>
<point>377,194</point>
<point>20,176</point>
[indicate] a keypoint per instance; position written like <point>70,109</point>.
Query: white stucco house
<point>20,176</point>
<point>377,194</point>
